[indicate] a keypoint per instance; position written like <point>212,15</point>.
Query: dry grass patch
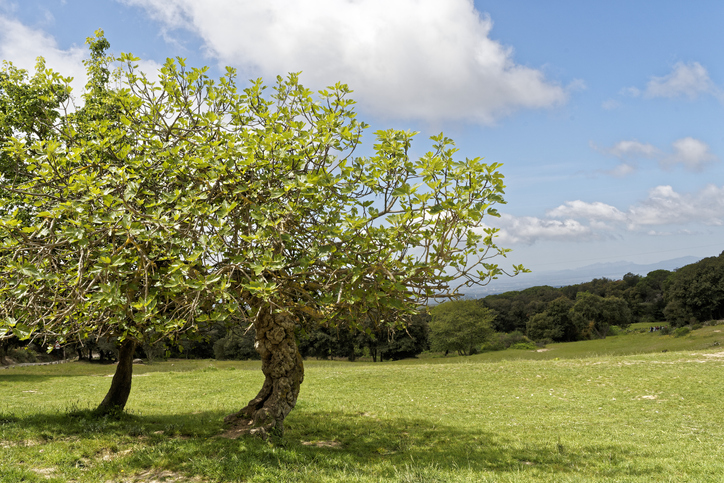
<point>154,476</point>
<point>323,444</point>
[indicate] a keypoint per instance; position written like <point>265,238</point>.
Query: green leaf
<point>436,209</point>
<point>259,286</point>
<point>327,249</point>
<point>22,331</point>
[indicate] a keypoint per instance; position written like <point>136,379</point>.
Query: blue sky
<point>607,116</point>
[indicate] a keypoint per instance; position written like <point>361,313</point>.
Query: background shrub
<point>682,331</point>
<point>22,355</point>
<point>238,344</point>
<point>524,346</point>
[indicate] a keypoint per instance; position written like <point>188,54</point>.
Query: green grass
<point>628,344</point>
<point>590,411</point>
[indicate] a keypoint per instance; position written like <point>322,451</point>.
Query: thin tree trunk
<point>117,395</point>
<point>283,369</point>
<point>3,361</point>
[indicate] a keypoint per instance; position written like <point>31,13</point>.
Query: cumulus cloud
<point>593,211</point>
<point>686,79</point>
<point>664,206</point>
<point>664,211</point>
<point>529,229</point>
<point>420,59</point>
<point>622,170</point>
<point>610,104</point>
<point>692,154</point>
<point>22,45</point>
<point>633,148</point>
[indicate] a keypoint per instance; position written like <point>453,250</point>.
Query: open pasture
<point>633,418</point>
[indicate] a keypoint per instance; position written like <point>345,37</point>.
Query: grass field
<point>618,410</point>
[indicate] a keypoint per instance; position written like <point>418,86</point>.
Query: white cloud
<point>529,229</point>
<point>405,59</point>
<point>688,80</point>
<point>664,206</point>
<point>583,221</point>
<point>627,150</point>
<point>610,104</point>
<point>633,148</point>
<point>622,170</point>
<point>630,92</point>
<point>593,211</point>
<point>690,152</point>
<point>21,45</point>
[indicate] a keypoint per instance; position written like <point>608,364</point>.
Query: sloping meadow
<point>654,417</point>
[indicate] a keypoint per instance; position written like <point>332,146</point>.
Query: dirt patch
<point>323,444</point>
<point>155,476</point>
<point>237,430</point>
<point>716,354</point>
<point>543,350</point>
<point>46,472</point>
<point>107,455</point>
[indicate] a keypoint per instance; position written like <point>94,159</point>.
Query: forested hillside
<point>691,294</point>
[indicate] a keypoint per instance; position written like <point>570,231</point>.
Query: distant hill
<point>561,278</point>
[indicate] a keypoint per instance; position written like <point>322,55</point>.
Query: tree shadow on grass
<point>316,443</point>
<point>366,438</point>
<point>51,371</point>
<point>12,378</point>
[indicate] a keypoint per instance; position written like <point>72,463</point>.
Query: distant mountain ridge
<point>560,278</point>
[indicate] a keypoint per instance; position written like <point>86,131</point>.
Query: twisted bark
<point>283,369</point>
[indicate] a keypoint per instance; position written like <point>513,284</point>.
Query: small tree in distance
<point>597,314</point>
<point>555,323</point>
<point>460,325</point>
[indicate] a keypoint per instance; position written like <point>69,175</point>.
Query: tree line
<point>688,295</point>
<point>693,293</point>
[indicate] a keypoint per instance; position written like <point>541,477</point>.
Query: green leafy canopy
<point>160,205</point>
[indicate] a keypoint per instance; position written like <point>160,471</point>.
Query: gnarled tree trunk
<point>283,369</point>
<point>117,395</point>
